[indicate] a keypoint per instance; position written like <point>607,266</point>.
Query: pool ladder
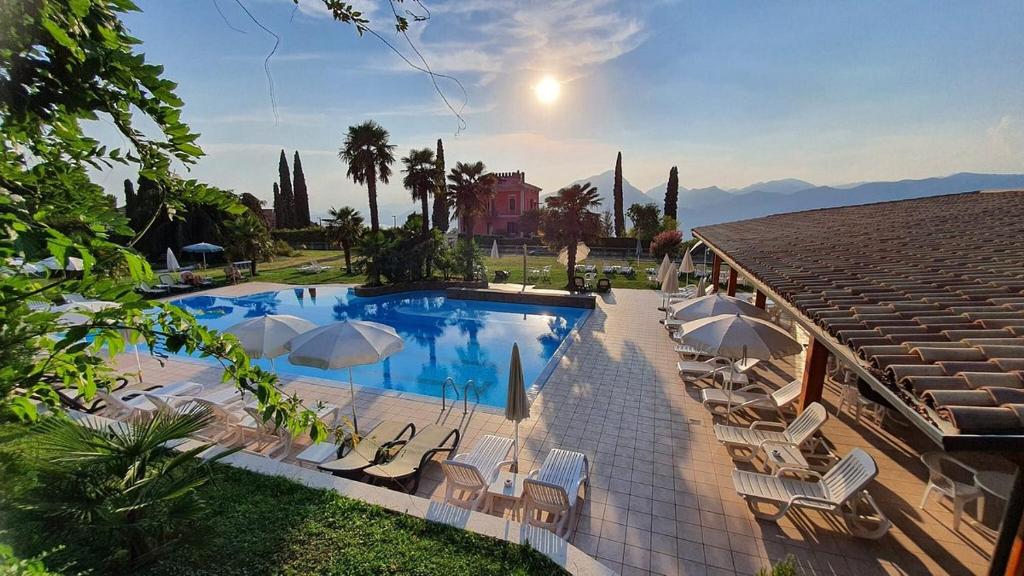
<point>470,385</point>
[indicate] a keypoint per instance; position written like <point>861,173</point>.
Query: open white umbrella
<point>72,264</point>
<point>686,266</point>
<point>267,336</point>
<point>517,406</point>
<point>344,345</point>
<point>203,248</point>
<point>494,250</point>
<point>665,263</point>
<point>713,305</point>
<point>739,336</point>
<point>172,262</point>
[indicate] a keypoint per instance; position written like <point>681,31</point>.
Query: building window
<point>511,228</point>
<point>511,204</point>
<point>533,204</point>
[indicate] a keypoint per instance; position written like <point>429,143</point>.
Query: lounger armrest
<point>756,388</point>
<point>798,471</point>
<point>812,500</point>
<point>508,463</point>
<point>766,425</point>
<point>777,443</point>
<point>533,473</point>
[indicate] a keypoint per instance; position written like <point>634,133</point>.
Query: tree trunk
<point>371,187</point>
<point>425,229</point>
<point>348,257</point>
<point>570,266</point>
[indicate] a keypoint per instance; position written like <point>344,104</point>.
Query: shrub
<point>667,242</point>
<point>282,248</point>
<point>298,236</point>
<point>784,567</point>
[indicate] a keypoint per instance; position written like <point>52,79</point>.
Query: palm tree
<point>569,218</point>
<point>369,156</point>
<point>346,228</point>
<point>471,189</point>
<point>420,178</point>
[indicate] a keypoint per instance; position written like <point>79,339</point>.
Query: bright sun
<point>547,90</point>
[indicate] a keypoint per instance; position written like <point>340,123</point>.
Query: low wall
<point>370,291</point>
<point>569,300</point>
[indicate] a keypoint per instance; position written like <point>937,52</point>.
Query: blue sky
<point>731,92</point>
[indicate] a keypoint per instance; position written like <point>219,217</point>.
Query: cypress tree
<point>286,218</point>
<point>301,195</point>
<point>441,207</point>
<point>278,211</point>
<point>672,194</point>
<point>620,220</point>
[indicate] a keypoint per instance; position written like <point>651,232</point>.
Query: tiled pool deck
<point>662,500</point>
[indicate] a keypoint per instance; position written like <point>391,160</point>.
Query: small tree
<point>668,242</point>
<point>620,221</point>
<point>472,189</point>
<point>301,210</point>
<point>346,228</point>
<point>529,221</point>
<point>247,238</point>
<point>672,194</point>
<point>568,219</point>
<point>286,217</point>
<point>646,220</point>
<point>607,224</point>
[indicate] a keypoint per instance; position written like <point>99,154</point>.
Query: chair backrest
<point>430,437</point>
<point>113,401</point>
<point>263,425</point>
<point>161,403</point>
<point>219,412</point>
<point>787,394</point>
<point>463,475</point>
<point>166,279</point>
<point>803,427</point>
<point>849,476</point>
<point>545,495</point>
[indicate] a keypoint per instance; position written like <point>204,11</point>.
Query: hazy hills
<point>712,205</point>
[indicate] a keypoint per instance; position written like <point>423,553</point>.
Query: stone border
<point>428,285</point>
<point>587,301</point>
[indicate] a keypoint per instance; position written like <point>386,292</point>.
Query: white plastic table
<point>513,491</point>
<point>784,455</point>
<point>317,454</point>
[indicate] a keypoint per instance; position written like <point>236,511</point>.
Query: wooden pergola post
<point>733,280</point>
<point>814,373</point>
<point>1008,556</point>
<point>760,299</point>
<point>716,271</point>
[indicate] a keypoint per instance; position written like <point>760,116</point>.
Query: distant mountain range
<point>713,205</point>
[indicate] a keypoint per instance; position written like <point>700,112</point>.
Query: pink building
<point>513,195</point>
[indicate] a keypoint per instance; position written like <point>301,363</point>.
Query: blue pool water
<point>462,339</point>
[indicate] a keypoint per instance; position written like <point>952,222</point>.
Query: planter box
<point>370,291</point>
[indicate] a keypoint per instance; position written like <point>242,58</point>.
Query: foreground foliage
<point>255,524</point>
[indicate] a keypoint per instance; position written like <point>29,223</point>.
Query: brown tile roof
<point>929,293</point>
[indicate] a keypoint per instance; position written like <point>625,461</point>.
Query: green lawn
<point>256,524</point>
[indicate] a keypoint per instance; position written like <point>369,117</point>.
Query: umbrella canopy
<point>665,263</point>
<point>582,251</point>
<point>73,264</point>
<point>172,262</point>
<point>702,287</point>
<point>267,336</point>
<point>202,248</point>
<point>686,266</point>
<point>344,345</point>
<point>517,407</point>
<point>670,283</point>
<point>713,305</point>
<point>738,336</point>
<point>494,250</point>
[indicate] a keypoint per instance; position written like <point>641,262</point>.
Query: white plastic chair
<point>553,490</point>
<point>468,475</point>
<point>744,444</point>
<point>724,402</point>
<point>225,427</point>
<point>270,439</point>
<point>959,492</point>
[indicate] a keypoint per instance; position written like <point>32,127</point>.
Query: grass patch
<point>257,524</point>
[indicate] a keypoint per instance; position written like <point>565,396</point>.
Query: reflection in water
<point>465,340</point>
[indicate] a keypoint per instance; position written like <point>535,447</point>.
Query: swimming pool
<point>462,339</point>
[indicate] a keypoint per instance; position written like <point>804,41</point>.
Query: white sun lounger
<point>841,490</point>
<point>744,444</point>
<point>468,475</point>
<point>553,490</point>
<point>717,367</point>
<point>724,402</point>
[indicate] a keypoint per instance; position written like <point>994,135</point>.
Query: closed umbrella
<point>172,262</point>
<point>344,345</point>
<point>702,287</point>
<point>713,305</point>
<point>639,248</point>
<point>686,266</point>
<point>203,248</point>
<point>494,250</point>
<point>267,336</point>
<point>665,263</point>
<point>669,285</point>
<point>517,407</point>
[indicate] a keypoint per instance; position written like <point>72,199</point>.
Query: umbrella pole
<point>515,448</point>
<point>138,362</point>
<point>352,390</point>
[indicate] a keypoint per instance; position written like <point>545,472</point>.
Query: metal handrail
<point>465,395</point>
<point>444,387</point>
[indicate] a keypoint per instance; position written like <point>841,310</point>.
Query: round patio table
<point>998,484</point>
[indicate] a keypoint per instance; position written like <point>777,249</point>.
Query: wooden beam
<point>733,280</point>
<point>1008,556</point>
<point>760,299</point>
<point>716,271</point>
<point>814,373</point>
